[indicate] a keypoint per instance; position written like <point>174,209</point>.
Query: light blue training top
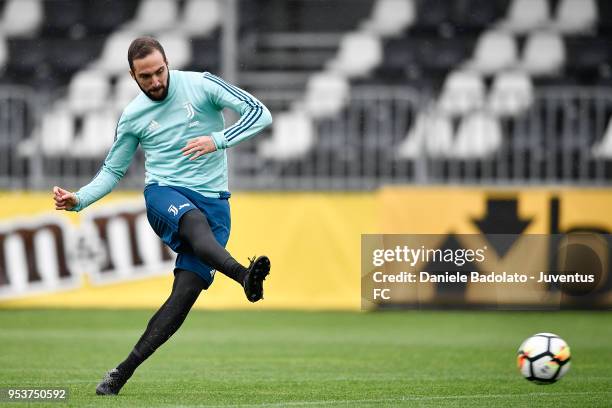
<point>192,108</point>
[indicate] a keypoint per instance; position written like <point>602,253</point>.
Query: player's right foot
<point>256,274</point>
<point>112,383</point>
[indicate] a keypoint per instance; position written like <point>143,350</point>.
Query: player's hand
<point>199,146</point>
<point>64,199</point>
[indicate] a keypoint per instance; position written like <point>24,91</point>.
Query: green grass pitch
<point>308,359</point>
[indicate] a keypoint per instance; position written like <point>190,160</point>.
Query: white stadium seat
<point>495,51</point>
<point>57,132</point>
<point>177,49</point>
<point>544,53</point>
<point>292,137</point>
<point>432,134</point>
<point>87,91</point>
<point>462,92</point>
<point>97,134</point>
<point>603,149</point>
<point>576,16</point>
<point>479,136</point>
<point>200,17</point>
<point>154,16</point>
<point>326,94</point>
<point>3,52</point>
<point>126,89</point>
<point>358,54</point>
<point>526,15</point>
<point>390,17</point>
<point>511,93</point>
<point>114,54</point>
<point>21,18</point>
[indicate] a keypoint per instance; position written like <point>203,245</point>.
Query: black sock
<point>195,231</point>
<point>166,321</point>
<point>234,270</point>
<point>130,364</point>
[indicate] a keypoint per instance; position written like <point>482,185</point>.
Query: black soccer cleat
<point>256,274</point>
<point>112,383</point>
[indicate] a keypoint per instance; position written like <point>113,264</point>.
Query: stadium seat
<point>576,16</point>
<point>432,134</point>
<point>63,16</point>
<point>292,137</point>
<point>432,14</point>
<point>479,136</point>
<point>103,17</point>
<point>205,53</point>
<point>26,55</point>
<point>87,91</point>
<point>96,136</point>
<point>3,52</point>
<point>390,17</point>
<point>526,15</point>
<point>603,148</point>
<point>56,132</point>
<point>588,59</point>
<point>445,54</point>
<point>309,16</point>
<point>495,51</point>
<point>476,15</point>
<point>604,11</point>
<point>544,53</point>
<point>462,92</point>
<point>21,18</point>
<point>359,53</point>
<point>153,17</point>
<point>67,56</point>
<point>326,94</point>
<point>200,17</point>
<point>126,89</point>
<point>113,59</point>
<point>401,53</point>
<point>177,48</point>
<point>511,94</point>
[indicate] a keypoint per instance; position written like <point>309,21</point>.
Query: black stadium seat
<point>588,56</point>
<point>433,13</point>
<point>402,52</point>
<point>61,16</point>
<point>306,15</point>
<point>206,54</point>
<point>104,16</point>
<point>26,55</point>
<point>68,56</point>
<point>478,14</point>
<point>605,16</point>
<point>446,54</point>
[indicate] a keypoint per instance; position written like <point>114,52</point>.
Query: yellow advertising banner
<point>108,256</point>
<point>313,241</point>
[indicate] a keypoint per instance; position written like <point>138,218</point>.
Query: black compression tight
<point>195,231</point>
<point>166,321</point>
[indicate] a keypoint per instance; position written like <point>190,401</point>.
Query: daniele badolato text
<point>478,277</point>
<point>411,257</point>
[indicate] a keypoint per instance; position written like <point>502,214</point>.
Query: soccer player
<point>178,122</point>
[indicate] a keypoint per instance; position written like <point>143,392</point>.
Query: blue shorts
<point>165,207</point>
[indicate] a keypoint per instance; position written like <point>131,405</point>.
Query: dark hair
<point>143,46</point>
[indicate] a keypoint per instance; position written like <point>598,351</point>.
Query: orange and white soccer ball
<point>544,358</point>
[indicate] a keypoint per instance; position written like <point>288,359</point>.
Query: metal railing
<point>358,148</point>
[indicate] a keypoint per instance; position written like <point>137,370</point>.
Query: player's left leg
<point>164,323</point>
<point>195,230</point>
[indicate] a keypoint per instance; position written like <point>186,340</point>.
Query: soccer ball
<point>544,358</point>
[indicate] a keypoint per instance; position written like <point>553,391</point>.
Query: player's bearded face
<point>151,75</point>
